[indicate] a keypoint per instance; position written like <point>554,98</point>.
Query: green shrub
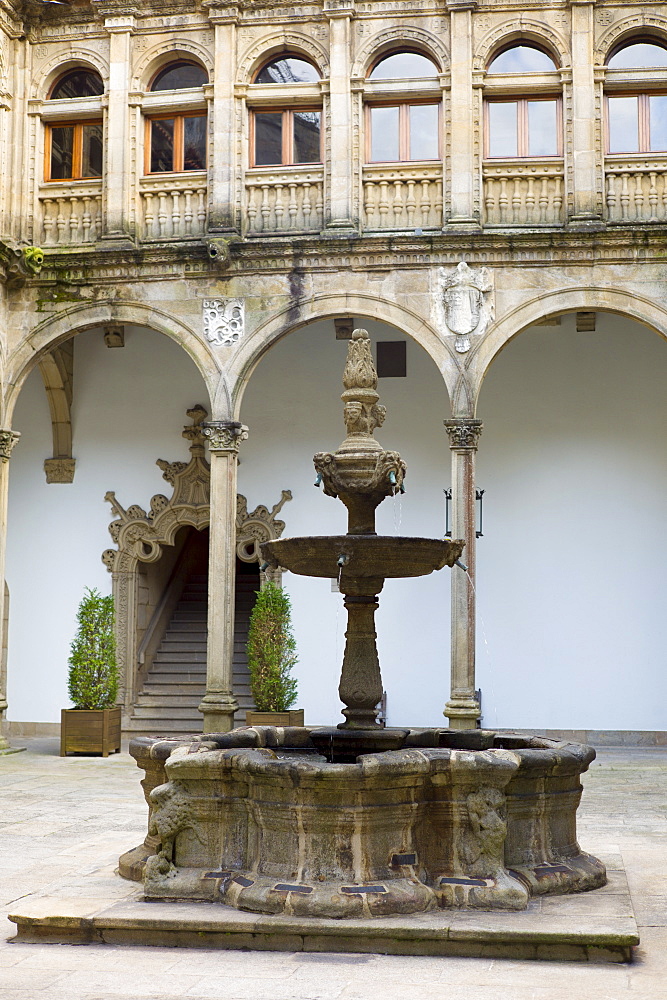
<point>272,651</point>
<point>93,674</point>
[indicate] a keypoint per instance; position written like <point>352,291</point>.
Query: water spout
<point>461,565</point>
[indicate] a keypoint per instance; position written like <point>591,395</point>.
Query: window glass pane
<point>658,123</point>
<point>180,76</point>
<point>268,138</point>
<point>522,59</point>
<point>162,145</point>
<point>404,65</point>
<point>423,131</point>
<point>78,83</point>
<point>62,144</point>
<point>503,135</point>
<point>623,125</point>
<point>306,136</point>
<point>638,55</point>
<point>91,153</point>
<point>542,128</point>
<point>288,70</point>
<point>384,134</point>
<point>194,143</point>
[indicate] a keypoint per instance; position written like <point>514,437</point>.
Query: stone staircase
<point>176,681</point>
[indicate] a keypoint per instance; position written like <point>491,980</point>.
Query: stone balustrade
<point>528,193</point>
<point>636,189</point>
<point>288,199</point>
<point>70,212</point>
<point>403,197</point>
<point>173,208</point>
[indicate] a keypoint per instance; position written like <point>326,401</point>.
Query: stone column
<point>8,439</point>
<point>461,158</point>
<point>219,704</point>
<point>118,176</point>
<point>222,127</point>
<point>462,709</point>
<point>341,186</point>
<point>582,145</point>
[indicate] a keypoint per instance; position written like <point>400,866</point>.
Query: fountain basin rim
<point>373,556</point>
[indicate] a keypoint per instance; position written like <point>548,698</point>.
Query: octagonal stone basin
<point>383,556</point>
<point>259,820</point>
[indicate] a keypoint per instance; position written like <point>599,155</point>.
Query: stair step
<point>173,656</point>
<point>174,712</point>
<point>167,702</point>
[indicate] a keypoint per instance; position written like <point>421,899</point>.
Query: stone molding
<point>224,435</point>
<point>463,433</point>
<point>8,439</point>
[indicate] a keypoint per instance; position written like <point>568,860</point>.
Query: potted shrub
<point>93,725</point>
<point>271,650</point>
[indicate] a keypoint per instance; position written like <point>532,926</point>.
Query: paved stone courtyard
<point>61,818</point>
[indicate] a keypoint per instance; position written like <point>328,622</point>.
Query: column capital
<point>463,433</point>
<point>224,435</point>
<point>8,439</point>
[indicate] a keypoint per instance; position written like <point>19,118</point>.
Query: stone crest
<point>463,303</point>
<point>224,321</point>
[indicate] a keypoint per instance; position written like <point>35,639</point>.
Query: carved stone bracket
<point>7,441</point>
<point>463,432</point>
<point>59,470</point>
<point>224,435</point>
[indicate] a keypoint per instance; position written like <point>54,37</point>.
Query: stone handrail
<point>636,188</point>
<point>403,196</point>
<point>284,199</point>
<point>70,212</point>
<point>173,207</point>
<point>523,193</point>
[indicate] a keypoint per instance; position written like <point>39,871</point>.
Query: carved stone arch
<point>57,371</point>
<point>521,29</point>
<point>140,537</point>
<point>47,72</point>
<point>387,40</point>
<point>641,24</point>
<point>86,316</point>
<point>284,41</point>
<point>162,54</point>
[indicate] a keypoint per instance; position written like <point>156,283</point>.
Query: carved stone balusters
<point>8,439</point>
<point>219,704</point>
<point>463,709</point>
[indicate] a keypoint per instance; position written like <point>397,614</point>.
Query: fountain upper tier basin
<point>383,556</point>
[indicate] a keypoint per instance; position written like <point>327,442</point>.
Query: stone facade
<point>228,260</point>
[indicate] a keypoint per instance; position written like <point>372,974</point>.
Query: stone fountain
<point>357,820</point>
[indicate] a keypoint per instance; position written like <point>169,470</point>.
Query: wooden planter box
<point>90,730</point>
<point>293,717</point>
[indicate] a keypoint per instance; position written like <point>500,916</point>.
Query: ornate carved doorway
<point>161,588</point>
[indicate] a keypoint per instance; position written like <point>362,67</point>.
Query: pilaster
<point>585,165</point>
<point>340,209</point>
<point>461,156</point>
<point>118,176</point>
<point>219,704</point>
<point>463,709</point>
<point>8,439</point>
<point>221,126</point>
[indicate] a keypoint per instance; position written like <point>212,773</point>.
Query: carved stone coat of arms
<point>463,303</point>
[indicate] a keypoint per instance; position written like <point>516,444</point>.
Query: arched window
<point>176,141</point>
<point>288,132</point>
<point>636,121</point>
<point>522,126</point>
<point>74,149</point>
<point>403,127</point>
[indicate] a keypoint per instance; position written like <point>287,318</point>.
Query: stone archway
<point>142,536</point>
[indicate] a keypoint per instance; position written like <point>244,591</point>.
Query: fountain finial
<point>360,472</point>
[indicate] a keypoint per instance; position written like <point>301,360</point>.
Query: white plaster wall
<point>293,409</point>
<point>128,410</point>
<point>571,569</point>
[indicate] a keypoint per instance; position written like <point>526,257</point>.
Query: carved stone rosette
<point>8,439</point>
<point>224,435</point>
<point>463,433</point>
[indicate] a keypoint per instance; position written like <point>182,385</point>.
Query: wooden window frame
<point>77,150</point>
<point>644,123</point>
<point>287,152</point>
<point>403,129</point>
<point>179,146</point>
<point>522,126</point>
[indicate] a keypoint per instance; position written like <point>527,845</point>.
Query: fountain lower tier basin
<point>261,821</point>
<point>358,556</point>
